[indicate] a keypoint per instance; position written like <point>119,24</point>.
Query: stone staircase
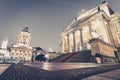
<point>81,56</point>
<point>68,57</point>
<point>59,58</point>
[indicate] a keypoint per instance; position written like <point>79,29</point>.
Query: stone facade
<point>100,19</point>
<point>99,46</point>
<point>102,51</point>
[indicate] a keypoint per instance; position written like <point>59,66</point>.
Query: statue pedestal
<point>102,50</point>
<point>94,43</point>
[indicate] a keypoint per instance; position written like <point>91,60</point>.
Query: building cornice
<point>86,21</point>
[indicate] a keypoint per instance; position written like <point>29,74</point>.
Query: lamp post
<point>47,57</point>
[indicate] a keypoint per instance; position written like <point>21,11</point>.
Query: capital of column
<point>80,29</point>
<point>67,35</point>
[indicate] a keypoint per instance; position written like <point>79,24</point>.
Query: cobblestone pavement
<point>24,72</point>
<point>111,75</point>
<point>3,67</point>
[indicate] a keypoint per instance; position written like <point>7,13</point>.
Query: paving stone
<point>97,78</point>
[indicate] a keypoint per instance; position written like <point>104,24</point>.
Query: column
<point>81,39</point>
<point>90,37</point>
<point>62,45</point>
<point>77,40</point>
<point>74,41</point>
<point>68,42</point>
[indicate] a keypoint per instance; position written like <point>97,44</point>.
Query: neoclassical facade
<point>22,49</point>
<point>100,19</point>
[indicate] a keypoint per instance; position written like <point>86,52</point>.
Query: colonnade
<point>77,39</point>
<point>73,42</point>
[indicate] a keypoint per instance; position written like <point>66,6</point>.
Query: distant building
<point>100,19</point>
<point>4,53</point>
<point>37,51</point>
<point>22,49</point>
<point>52,55</point>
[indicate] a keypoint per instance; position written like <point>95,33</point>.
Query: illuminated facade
<point>22,49</point>
<point>100,19</point>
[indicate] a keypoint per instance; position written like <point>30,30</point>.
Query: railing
<point>70,56</point>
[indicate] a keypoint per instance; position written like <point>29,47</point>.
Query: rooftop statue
<point>26,29</point>
<point>94,34</point>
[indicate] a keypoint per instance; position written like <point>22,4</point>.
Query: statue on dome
<point>26,29</point>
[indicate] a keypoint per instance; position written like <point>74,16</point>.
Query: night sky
<point>45,18</point>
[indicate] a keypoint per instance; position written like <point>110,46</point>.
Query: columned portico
<point>72,42</point>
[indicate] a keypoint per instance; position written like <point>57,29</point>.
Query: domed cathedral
<point>22,49</point>
<point>100,22</point>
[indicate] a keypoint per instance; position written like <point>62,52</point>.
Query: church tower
<point>24,38</point>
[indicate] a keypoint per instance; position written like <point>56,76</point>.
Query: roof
<point>88,13</point>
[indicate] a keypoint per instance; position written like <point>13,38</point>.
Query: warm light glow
<point>47,56</point>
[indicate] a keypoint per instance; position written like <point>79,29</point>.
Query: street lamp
<point>47,57</point>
